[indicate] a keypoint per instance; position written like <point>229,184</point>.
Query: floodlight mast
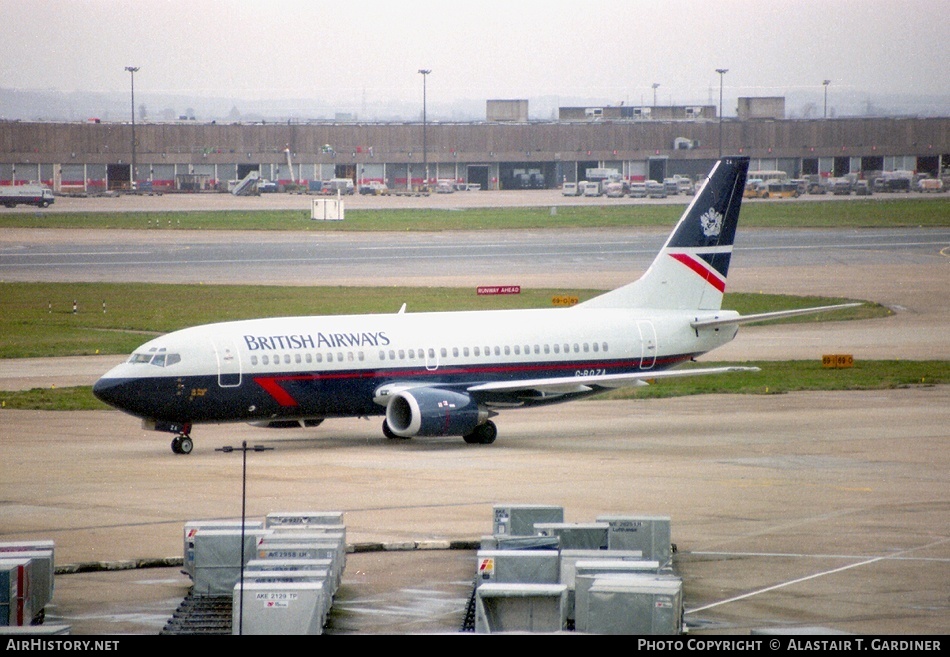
<point>132,70</point>
<point>721,72</point>
<point>425,151</point>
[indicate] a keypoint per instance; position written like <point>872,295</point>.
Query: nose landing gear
<point>182,443</point>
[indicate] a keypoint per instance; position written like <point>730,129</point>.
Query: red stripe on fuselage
<point>274,390</point>
<point>702,269</point>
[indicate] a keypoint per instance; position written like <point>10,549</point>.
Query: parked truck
<point>38,195</point>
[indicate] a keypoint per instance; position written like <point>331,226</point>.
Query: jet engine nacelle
<point>432,412</point>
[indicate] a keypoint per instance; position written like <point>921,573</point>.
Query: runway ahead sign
<point>499,289</point>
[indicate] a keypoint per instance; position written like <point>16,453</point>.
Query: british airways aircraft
<point>448,373</point>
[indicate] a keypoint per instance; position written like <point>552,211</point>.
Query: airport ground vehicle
<point>374,188</point>
<point>768,174</point>
<point>862,188</point>
<point>754,188</point>
<point>593,188</point>
<point>655,189</point>
<point>841,187</point>
<point>14,195</point>
<point>684,185</point>
<point>817,187</point>
<point>892,183</point>
<point>781,189</point>
<point>934,185</point>
<point>615,189</point>
<point>341,185</point>
<point>571,189</point>
<point>638,190</point>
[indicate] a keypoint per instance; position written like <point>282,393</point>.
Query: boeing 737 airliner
<point>448,373</point>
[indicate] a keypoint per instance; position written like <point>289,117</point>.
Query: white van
<point>342,185</point>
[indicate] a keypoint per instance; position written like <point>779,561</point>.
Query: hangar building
<point>501,152</point>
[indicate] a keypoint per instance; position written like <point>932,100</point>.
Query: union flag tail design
<point>690,271</point>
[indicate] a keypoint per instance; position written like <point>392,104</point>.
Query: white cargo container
<point>282,608</point>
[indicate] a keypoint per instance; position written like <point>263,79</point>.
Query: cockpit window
<point>156,357</point>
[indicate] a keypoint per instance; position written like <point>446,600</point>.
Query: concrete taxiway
<point>797,510</point>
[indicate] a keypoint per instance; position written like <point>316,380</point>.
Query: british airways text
<point>326,340</point>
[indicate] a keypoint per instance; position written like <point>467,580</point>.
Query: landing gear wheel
<point>484,434</point>
<point>182,445</point>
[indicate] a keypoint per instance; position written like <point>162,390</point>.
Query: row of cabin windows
<point>402,354</point>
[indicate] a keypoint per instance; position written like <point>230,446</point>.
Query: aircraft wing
<point>762,317</point>
<point>573,384</point>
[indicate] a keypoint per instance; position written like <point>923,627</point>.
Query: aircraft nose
<point>107,390</point>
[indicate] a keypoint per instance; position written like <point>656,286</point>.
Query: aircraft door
<point>647,344</point>
<point>229,362</point>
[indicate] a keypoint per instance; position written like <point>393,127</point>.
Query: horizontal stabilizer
<point>735,320</point>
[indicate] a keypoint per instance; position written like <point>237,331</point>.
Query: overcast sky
<point>369,51</point>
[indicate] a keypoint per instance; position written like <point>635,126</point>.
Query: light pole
<point>425,152</point>
<point>132,70</point>
<point>244,449</point>
<point>826,83</point>
<point>655,86</point>
<point>721,72</point>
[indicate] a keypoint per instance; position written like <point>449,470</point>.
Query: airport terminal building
<point>506,151</point>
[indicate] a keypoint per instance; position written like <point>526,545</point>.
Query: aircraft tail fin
<point>690,270</point>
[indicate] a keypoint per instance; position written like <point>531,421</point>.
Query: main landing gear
<point>484,434</point>
<point>182,443</point>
